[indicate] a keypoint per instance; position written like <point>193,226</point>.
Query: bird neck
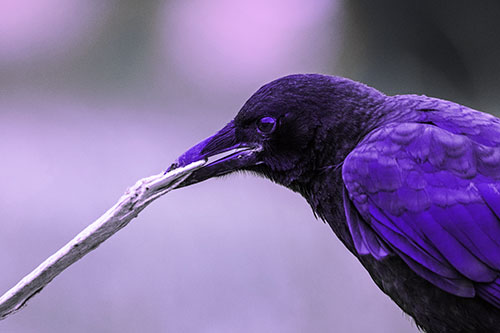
<point>356,112</point>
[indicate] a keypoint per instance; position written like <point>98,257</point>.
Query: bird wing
<point>430,194</point>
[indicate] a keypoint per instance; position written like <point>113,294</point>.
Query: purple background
<point>95,95</point>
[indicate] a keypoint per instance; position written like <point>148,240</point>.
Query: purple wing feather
<point>459,287</point>
<point>406,245</point>
<point>431,195</point>
<point>490,292</point>
<point>490,193</point>
<point>365,240</point>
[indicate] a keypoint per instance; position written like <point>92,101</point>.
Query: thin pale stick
<point>128,207</point>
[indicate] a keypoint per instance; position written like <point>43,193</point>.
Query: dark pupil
<point>266,124</point>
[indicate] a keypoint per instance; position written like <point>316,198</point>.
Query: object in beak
<point>223,155</point>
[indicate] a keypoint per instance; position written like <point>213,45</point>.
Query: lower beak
<point>222,153</point>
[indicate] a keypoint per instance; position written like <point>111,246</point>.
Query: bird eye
<point>266,125</point>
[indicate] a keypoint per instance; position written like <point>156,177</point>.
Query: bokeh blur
<point>97,94</point>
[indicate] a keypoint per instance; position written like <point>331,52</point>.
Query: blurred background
<point>97,94</point>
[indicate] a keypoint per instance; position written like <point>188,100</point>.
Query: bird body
<point>409,184</point>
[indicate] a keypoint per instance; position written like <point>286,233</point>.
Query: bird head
<point>287,130</point>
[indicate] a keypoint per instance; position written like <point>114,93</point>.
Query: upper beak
<point>223,154</point>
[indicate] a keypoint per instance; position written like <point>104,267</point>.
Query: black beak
<point>223,153</point>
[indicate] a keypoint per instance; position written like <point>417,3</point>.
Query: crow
<point>410,185</point>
